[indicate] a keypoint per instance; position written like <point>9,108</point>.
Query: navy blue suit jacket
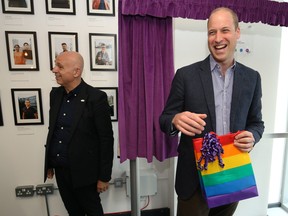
<point>192,90</point>
<point>90,150</point>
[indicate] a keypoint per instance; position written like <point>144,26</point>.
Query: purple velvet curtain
<point>146,69</point>
<point>146,64</point>
<point>265,11</point>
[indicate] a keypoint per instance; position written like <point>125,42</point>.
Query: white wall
<point>263,41</point>
<point>22,156</point>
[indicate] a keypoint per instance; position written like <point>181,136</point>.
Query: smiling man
<point>79,147</point>
<point>217,94</point>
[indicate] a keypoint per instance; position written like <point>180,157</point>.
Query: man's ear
<point>77,72</point>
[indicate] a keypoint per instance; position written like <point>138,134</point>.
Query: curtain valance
<point>265,11</point>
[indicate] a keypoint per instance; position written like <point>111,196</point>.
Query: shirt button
<point>68,101</point>
<point>60,141</point>
<point>58,155</point>
<point>62,128</point>
<point>64,114</point>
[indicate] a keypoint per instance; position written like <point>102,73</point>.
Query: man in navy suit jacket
<point>217,94</point>
<point>79,145</point>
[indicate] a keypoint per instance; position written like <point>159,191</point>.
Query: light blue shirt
<point>223,87</point>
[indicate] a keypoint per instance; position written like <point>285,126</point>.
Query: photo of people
<point>27,106</point>
<point>22,54</point>
<point>102,57</point>
<point>28,111</point>
<point>101,7</point>
<point>103,51</point>
<point>22,50</point>
<point>101,4</point>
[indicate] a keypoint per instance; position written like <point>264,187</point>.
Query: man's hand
<point>244,141</point>
<point>189,123</point>
<point>50,173</point>
<point>102,186</point>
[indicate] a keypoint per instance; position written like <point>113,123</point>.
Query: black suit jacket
<point>90,149</point>
<point>192,90</point>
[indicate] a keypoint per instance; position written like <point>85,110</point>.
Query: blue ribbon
<point>211,148</point>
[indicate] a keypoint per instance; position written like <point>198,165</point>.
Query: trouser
<point>82,201</point>
<point>197,206</point>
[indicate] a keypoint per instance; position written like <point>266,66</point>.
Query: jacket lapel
<point>238,82</point>
<point>206,78</point>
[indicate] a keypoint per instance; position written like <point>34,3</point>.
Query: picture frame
<point>101,7</point>
<point>22,50</point>
<point>1,115</point>
<point>65,7</point>
<point>112,97</point>
<point>103,52</point>
<point>27,106</point>
<point>61,42</point>
<point>18,6</point>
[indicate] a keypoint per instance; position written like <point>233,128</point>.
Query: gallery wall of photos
<point>36,32</point>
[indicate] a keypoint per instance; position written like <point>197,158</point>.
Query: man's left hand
<point>102,186</point>
<point>244,141</point>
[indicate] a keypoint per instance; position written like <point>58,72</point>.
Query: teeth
<point>220,46</point>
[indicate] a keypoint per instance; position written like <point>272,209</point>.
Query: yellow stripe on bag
<point>229,150</point>
<point>230,162</point>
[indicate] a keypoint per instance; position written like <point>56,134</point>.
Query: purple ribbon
<point>211,147</point>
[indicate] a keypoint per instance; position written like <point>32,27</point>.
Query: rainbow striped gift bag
<point>226,173</point>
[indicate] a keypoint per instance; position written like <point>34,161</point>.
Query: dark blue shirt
<point>58,151</point>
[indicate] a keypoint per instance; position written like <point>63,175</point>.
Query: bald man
<point>79,147</point>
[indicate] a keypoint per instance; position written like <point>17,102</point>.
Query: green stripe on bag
<point>228,175</point>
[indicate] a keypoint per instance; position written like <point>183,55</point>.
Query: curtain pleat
<point>146,70</point>
<point>265,11</point>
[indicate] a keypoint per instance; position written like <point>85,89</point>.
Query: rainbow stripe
<point>232,183</point>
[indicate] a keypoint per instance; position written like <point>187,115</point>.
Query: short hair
<point>16,45</point>
<point>234,15</point>
<point>63,44</point>
<point>25,44</point>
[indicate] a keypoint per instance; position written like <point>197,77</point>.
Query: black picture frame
<point>26,44</point>
<point>18,7</point>
<point>61,41</point>
<point>112,97</point>
<point>106,9</point>
<point>1,115</point>
<point>65,7</point>
<point>96,42</point>
<point>35,114</point>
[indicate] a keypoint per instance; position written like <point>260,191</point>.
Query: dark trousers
<point>83,201</point>
<point>197,206</point>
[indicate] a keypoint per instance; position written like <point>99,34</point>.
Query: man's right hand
<point>189,123</point>
<point>50,173</point>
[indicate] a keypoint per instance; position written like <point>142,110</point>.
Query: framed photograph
<point>18,6</point>
<point>103,52</point>
<point>22,51</point>
<point>61,42</point>
<point>112,97</point>
<point>27,106</point>
<point>1,115</point>
<point>65,7</point>
<point>101,7</point>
